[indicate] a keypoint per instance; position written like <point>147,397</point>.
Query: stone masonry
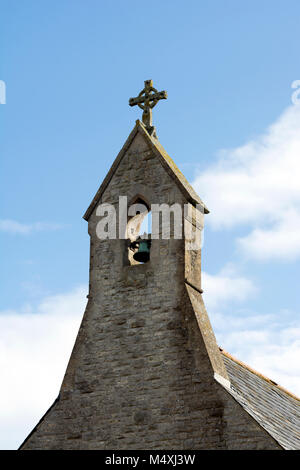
<point>145,369</point>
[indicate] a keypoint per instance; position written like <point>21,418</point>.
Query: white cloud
<point>281,241</point>
<point>225,286</point>
<point>258,184</point>
<point>35,345</point>
<point>12,226</point>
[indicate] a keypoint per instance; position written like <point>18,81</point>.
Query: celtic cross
<point>146,100</point>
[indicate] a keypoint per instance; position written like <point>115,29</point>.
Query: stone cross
<point>146,100</point>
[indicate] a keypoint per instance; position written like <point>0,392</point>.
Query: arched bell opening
<point>139,231</point>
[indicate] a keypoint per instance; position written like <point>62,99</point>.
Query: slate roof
<point>273,407</point>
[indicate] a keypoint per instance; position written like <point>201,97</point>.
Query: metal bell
<point>143,253</point>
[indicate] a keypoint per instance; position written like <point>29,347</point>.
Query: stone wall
<point>141,374</point>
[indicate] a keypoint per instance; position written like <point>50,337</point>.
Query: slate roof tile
<point>273,407</point>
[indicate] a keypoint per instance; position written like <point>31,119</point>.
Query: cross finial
<point>146,100</point>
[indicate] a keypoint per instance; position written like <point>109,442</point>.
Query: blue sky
<point>230,125</point>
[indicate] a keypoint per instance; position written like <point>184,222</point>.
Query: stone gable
<point>142,374</point>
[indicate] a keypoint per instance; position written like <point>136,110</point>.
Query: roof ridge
<point>267,379</point>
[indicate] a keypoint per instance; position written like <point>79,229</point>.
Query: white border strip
<point>222,381</point>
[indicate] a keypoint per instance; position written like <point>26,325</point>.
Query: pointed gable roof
<point>165,160</point>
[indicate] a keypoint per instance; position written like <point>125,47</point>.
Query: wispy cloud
<point>281,240</point>
<point>257,185</point>
<point>14,227</point>
<point>226,286</point>
<point>35,345</point>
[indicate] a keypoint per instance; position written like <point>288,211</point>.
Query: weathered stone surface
<point>141,374</point>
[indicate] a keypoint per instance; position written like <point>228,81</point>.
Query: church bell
<point>143,253</point>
